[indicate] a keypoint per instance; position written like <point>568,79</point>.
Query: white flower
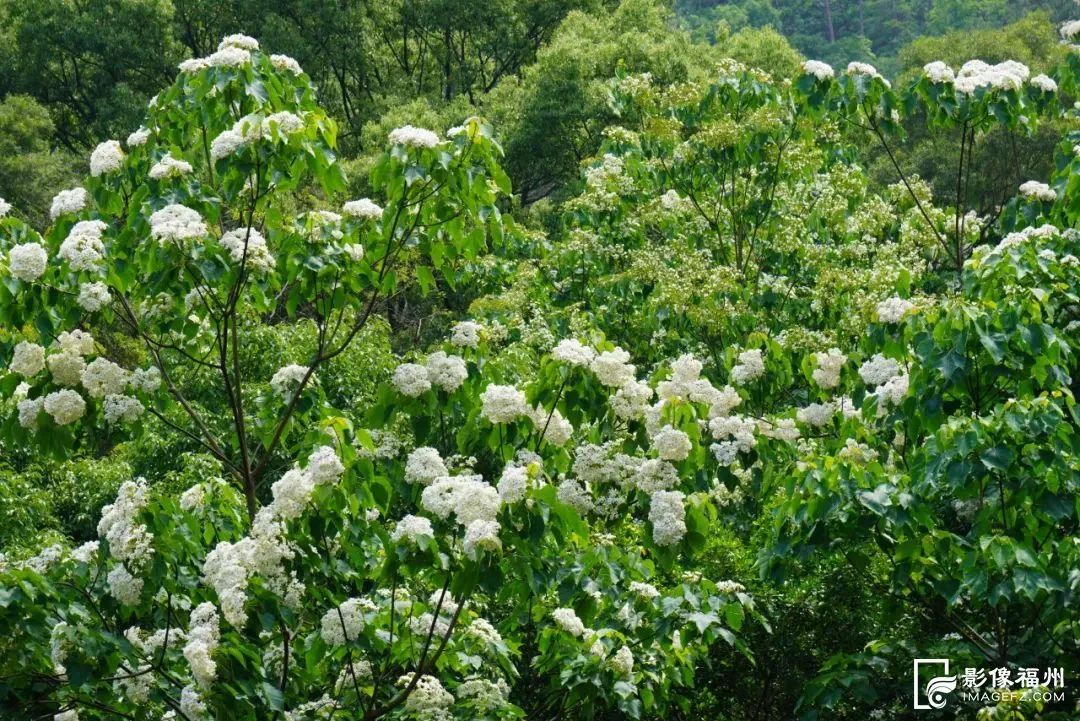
<point>248,245</point>
<point>481,535</point>
<point>1070,30</point>
<point>856,68</point>
<point>466,334</point>
<point>5,207</point>
<point>176,223</point>
<point>106,158</point>
<point>122,409</point>
<point>414,137</point>
<point>891,392</point>
<point>191,704</point>
<point>938,72</point>
<point>285,122</point>
<point>238,40</point>
<point>513,484</point>
<point>147,380</point>
<point>67,368</point>
<point>27,261</point>
<point>76,341</point>
<point>553,427</point>
<point>193,65</point>
<point>827,374</point>
<point>476,501</point>
<point>1034,190</point>
<point>363,208</point>
<point>655,474</point>
<point>343,624</point>
<point>502,404</point>
<point>750,367</point>
<point>411,379</point>
<point>93,296</point>
<point>287,379</point>
<point>225,144</point>
<point>355,251</point>
<point>102,377</point>
<point>567,619</point>
<point>193,498</point>
<point>65,406</point>
<point>123,586</point>
<point>69,715</point>
<point>612,368</point>
<point>229,57</point>
<point>29,410</point>
<point>631,400</point>
<point>816,414</point>
<point>83,248</point>
<point>28,359</point>
<point>893,310</point>
<point>820,70</point>
<point>284,62</point>
<point>428,700</point>
<point>291,493</point>
<point>878,370</point>
<point>667,515</point>
<point>573,352</point>
<point>424,465</point>
<point>644,591</point>
<point>411,527</point>
<point>671,444</point>
<point>139,137</point>
<point>68,201</point>
<point>170,167</point>
<point>446,371</point>
<point>1044,83</point>
<point>622,662</point>
<point>203,636</point>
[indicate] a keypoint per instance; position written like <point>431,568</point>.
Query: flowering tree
<point>356,582</point>
<point>193,231</point>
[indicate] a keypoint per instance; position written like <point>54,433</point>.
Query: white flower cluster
<point>138,137</point>
<point>27,261</point>
<point>428,700</point>
<point>750,367</point>
<point>613,368</point>
<point>503,404</point>
<point>573,352</point>
<point>644,591</point>
<point>248,245</point>
<point>1045,83</point>
<point>820,70</point>
<point>735,435</point>
<point>466,334</point>
<point>631,400</point>
<point>122,409</point>
<point>202,640</point>
<point>65,406</point>
<point>5,207</point>
<point>816,414</point>
<point>567,619</point>
<point>28,359</point>
<point>671,444</point>
<point>668,517</point>
<point>1070,30</point>
<point>93,296</point>
<point>343,624</point>
<point>975,74</point>
<point>364,208</point>
<point>878,370</point>
<point>170,167</point>
<point>130,542</point>
<point>622,662</point>
<point>83,248</point>
<point>891,392</point>
<point>830,363</point>
<point>284,62</point>
<point>447,372</point>
<point>102,377</point>
<point>857,68</point>
<point>106,158</point>
<point>287,380</point>
<point>413,137</point>
<point>424,465</point>
<point>68,201</point>
<point>176,223</point>
<point>225,144</point>
<point>1034,190</point>
<point>893,310</point>
<point>412,527</point>
<point>938,72</point>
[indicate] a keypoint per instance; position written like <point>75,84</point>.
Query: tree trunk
<point>828,23</point>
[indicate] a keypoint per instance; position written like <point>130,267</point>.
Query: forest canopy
<point>586,359</point>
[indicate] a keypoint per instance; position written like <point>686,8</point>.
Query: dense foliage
<point>762,385</point>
